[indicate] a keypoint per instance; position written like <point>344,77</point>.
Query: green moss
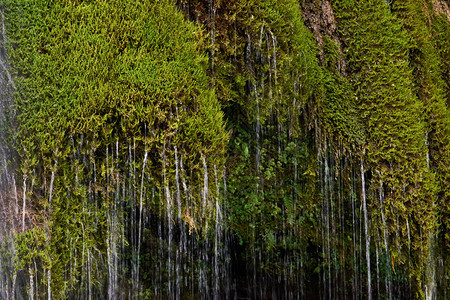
<point>430,82</point>
<point>378,59</point>
<point>95,79</point>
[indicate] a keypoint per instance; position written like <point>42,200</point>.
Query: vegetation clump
<point>111,95</point>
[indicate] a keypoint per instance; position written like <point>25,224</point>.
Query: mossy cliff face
<point>303,141</point>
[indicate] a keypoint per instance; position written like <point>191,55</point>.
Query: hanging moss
<point>430,89</point>
<point>377,54</point>
<point>96,79</point>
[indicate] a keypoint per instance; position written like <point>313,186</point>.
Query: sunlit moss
<point>96,79</point>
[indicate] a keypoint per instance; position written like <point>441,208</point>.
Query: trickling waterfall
<point>385,240</point>
<point>366,232</point>
<point>217,239</point>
